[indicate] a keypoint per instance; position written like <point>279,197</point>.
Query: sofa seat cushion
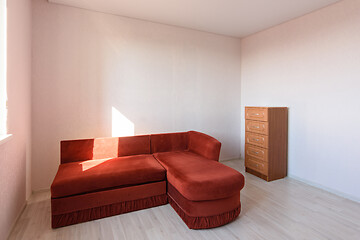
<point>198,178</point>
<point>94,175</point>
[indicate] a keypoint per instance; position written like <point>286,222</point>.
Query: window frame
<point>3,69</point>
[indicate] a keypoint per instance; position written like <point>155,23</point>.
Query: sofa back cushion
<point>134,145</point>
<point>168,142</point>
<point>100,148</point>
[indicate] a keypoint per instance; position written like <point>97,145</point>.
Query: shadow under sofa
<point>103,177</point>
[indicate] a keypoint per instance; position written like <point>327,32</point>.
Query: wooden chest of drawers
<point>266,142</point>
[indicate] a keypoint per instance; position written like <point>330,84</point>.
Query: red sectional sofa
<point>103,177</point>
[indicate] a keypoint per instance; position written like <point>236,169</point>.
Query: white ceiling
<point>236,18</point>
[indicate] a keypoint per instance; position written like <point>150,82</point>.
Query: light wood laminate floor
<point>283,209</point>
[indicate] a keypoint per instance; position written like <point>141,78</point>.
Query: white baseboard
<point>40,190</point>
<point>330,190</point>
<point>229,159</point>
<point>327,189</point>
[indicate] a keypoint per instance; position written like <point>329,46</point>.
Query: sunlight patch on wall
<point>121,126</point>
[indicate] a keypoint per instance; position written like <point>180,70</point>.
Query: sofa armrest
<point>204,145</point>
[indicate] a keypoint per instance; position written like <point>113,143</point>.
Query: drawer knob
<point>257,114</point>
<point>256,127</point>
<point>256,139</point>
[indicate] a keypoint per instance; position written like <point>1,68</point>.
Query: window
<point>3,95</point>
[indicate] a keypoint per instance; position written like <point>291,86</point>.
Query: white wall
<point>15,153</point>
<point>161,78</point>
<point>312,65</point>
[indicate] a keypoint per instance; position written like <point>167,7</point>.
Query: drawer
<point>256,152</point>
<point>259,114</point>
<point>259,166</point>
<point>257,127</point>
<point>257,139</point>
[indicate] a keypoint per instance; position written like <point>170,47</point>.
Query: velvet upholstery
<point>203,208</point>
<point>168,142</point>
<point>94,175</point>
<point>106,197</point>
<point>204,145</point>
<point>107,176</point>
<point>200,222</point>
<point>106,211</point>
<point>100,148</point>
<point>199,179</point>
<point>134,145</point>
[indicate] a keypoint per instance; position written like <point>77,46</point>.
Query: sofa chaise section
<point>204,192</point>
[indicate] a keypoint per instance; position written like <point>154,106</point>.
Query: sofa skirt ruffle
<point>205,222</point>
<point>66,219</point>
